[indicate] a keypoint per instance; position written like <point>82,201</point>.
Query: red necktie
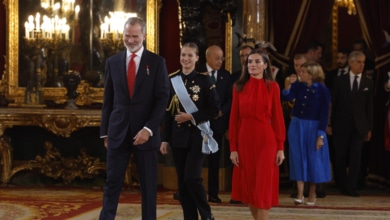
<point>131,74</point>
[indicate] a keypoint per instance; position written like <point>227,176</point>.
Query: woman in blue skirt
<point>308,154</point>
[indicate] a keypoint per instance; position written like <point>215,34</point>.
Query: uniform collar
<point>189,76</point>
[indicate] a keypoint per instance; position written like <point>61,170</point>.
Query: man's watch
<point>322,137</point>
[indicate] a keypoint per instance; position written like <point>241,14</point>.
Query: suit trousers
<point>348,154</point>
<point>117,162</point>
<point>188,163</point>
<point>213,171</point>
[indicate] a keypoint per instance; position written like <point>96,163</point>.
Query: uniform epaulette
<point>205,73</point>
<point>174,73</point>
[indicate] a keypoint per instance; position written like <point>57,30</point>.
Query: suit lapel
<point>143,70</point>
<point>123,77</point>
<point>347,82</point>
<point>363,84</point>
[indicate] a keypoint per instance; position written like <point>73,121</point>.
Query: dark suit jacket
<point>224,90</point>
<point>122,116</point>
<point>330,76</point>
<point>349,109</point>
<point>236,75</point>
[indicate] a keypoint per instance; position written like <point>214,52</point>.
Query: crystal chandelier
<point>349,4</point>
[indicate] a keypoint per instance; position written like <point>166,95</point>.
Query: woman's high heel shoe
<point>311,203</point>
<point>299,201</point>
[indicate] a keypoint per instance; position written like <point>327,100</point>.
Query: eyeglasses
<point>219,59</point>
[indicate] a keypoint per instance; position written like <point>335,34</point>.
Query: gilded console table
<point>60,122</point>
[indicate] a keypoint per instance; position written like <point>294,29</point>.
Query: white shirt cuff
<point>150,131</point>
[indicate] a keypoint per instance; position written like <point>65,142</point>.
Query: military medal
<point>195,89</point>
<point>195,97</point>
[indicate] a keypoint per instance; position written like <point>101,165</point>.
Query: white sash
<point>209,144</point>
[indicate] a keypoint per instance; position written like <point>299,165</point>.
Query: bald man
<point>223,82</point>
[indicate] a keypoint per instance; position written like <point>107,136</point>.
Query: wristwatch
<point>322,137</point>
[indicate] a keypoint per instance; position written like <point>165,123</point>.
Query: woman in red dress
<point>257,134</point>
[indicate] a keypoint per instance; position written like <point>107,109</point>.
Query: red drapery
<point>293,23</point>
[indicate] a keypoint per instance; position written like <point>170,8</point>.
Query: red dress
<point>256,132</point>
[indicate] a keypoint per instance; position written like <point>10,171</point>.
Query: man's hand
<point>164,148</point>
<point>106,142</point>
<point>141,137</point>
<point>329,130</point>
<point>368,136</point>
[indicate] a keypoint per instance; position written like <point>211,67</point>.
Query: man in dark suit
<point>219,125</point>
<point>342,68</point>
<point>276,72</point>
<point>131,117</point>
<point>244,53</point>
<point>352,121</point>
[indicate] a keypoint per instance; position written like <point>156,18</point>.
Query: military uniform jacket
<point>203,93</point>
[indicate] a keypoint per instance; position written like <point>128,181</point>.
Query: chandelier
<point>349,4</point>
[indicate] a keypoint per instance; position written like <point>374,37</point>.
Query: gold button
<point>189,125</point>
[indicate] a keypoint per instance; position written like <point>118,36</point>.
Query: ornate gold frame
<point>228,45</point>
<point>88,95</point>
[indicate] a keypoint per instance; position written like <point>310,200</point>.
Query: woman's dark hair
<point>245,75</point>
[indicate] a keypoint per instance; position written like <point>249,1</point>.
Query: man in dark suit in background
<point>223,83</point>
<point>276,72</point>
<point>352,121</point>
<point>342,68</point>
<point>244,53</point>
<point>131,117</point>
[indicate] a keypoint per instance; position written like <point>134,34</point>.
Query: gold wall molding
<point>229,44</point>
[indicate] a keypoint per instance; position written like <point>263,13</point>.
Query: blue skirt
<point>306,163</point>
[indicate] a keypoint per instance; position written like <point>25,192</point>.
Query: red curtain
<point>170,35</point>
<point>374,19</point>
<point>293,23</point>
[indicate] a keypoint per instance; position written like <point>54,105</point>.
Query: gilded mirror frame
<point>88,94</point>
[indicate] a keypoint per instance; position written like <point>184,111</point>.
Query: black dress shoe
<point>235,202</point>
<point>176,196</point>
<point>211,218</point>
<point>293,195</point>
<point>215,199</point>
<point>350,192</point>
<point>321,195</point>
<point>353,193</point>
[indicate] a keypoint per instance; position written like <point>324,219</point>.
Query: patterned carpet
<point>58,203</point>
